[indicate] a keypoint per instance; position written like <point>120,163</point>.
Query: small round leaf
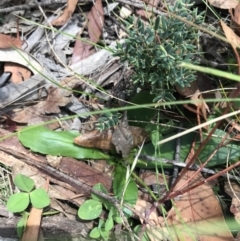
<point>18,202</point>
<point>109,224</point>
<point>24,183</point>
<point>95,233</point>
<point>90,210</point>
<point>39,198</point>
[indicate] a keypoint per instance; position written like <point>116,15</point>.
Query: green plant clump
<point>155,50</point>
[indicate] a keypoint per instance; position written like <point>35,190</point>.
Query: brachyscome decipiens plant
<point>19,202</point>
<point>155,50</point>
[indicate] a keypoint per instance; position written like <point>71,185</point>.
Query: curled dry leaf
<point>224,4</point>
<point>67,13</point>
<point>8,42</point>
<point>233,39</point>
<point>95,24</point>
<point>103,140</point>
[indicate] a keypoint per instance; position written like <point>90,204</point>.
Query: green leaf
<point>109,224</point>
<point>56,143</point>
<point>119,182</point>
<point>156,25</point>
<point>18,202</point>
<point>95,233</point>
<point>39,198</point>
<point>104,234</point>
<point>90,210</point>
<point>99,187</point>
<point>21,225</point>
<point>167,150</point>
<point>116,216</point>
<point>23,183</point>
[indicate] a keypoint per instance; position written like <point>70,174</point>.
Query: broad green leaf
<point>90,210</point>
<point>95,233</point>
<point>56,143</point>
<point>167,150</point>
<point>39,198</point>
<point>18,202</point>
<point>109,224</point>
<point>119,182</point>
<point>24,183</point>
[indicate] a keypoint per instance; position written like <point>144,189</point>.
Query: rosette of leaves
<point>155,50</point>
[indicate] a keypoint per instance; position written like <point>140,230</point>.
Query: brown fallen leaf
<point>8,42</point>
<point>197,214</point>
<point>233,190</point>
<point>67,13</point>
<point>233,39</point>
<point>83,49</point>
<point>224,4</point>
<point>57,97</point>
<point>103,140</point>
<point>235,19</point>
<point>154,229</point>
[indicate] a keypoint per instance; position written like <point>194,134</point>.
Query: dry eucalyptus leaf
<point>8,42</point>
<point>224,4</point>
<point>154,229</point>
<point>67,13</point>
<point>197,214</point>
<point>235,18</point>
<point>233,190</point>
<point>122,139</point>
<point>103,140</point>
<point>96,139</point>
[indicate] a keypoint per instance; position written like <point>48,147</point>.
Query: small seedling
<point>92,208</point>
<point>19,202</point>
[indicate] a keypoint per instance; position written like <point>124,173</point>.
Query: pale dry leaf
<point>154,229</point>
<point>224,4</point>
<point>235,19</point>
<point>234,41</point>
<point>8,42</point>
<point>125,12</point>
<point>233,190</point>
<point>67,13</point>
<point>230,35</point>
<point>148,14</point>
<point>197,213</point>
<point>95,21</point>
<point>83,49</point>
<point>19,72</point>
